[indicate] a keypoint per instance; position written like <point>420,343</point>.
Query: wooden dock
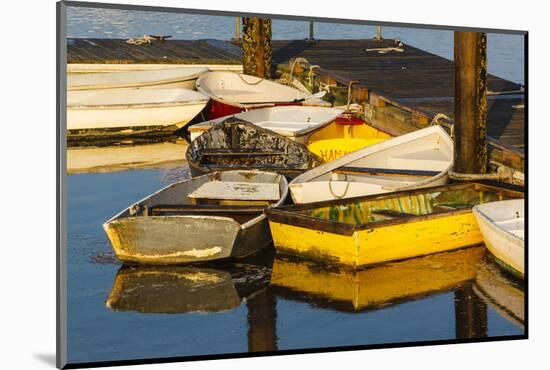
<point>400,90</point>
<point>404,90</point>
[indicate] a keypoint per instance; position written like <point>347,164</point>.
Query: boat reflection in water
<point>372,288</point>
<point>502,291</point>
<point>184,289</point>
<point>105,157</point>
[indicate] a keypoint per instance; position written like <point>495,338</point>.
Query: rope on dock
<point>300,59</point>
<point>501,175</point>
<point>398,47</point>
<point>146,39</point>
<point>498,176</point>
<point>436,120</point>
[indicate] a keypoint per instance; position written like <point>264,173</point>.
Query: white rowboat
<point>132,108</point>
<point>419,159</point>
<point>182,77</point>
<point>503,229</point>
<point>295,122</point>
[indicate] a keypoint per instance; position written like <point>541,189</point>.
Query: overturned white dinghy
<point>182,77</point>
<point>419,159</point>
<point>295,122</point>
<point>503,228</point>
<point>210,217</point>
<point>127,110</point>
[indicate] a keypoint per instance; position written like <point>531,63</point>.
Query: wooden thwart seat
<point>237,191</point>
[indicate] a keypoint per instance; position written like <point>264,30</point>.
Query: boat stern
<point>172,240</point>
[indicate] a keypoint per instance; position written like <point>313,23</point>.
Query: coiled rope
<point>436,120</point>
<point>146,39</point>
<point>499,176</point>
<point>291,75</point>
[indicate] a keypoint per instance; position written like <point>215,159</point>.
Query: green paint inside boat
<point>404,205</point>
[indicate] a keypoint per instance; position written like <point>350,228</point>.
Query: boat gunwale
<point>168,104</point>
<point>119,216</point>
<point>288,215</point>
<point>247,105</point>
<point>137,84</point>
<point>299,133</point>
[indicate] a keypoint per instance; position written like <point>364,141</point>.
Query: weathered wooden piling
<point>470,314</point>
<point>262,322</point>
<point>470,54</point>
<point>378,33</point>
<point>256,44</point>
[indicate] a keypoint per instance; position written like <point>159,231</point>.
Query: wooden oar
<point>384,172</point>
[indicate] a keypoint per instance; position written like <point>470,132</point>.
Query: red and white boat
<point>232,93</point>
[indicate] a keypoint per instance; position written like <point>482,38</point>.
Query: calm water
<point>118,312</point>
<point>505,52</point>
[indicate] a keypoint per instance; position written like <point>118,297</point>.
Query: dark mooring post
<point>237,37</point>
<point>470,314</point>
<point>256,42</point>
<point>470,56</point>
<point>262,322</point>
<point>311,38</point>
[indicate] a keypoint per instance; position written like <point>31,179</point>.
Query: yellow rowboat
<point>343,136</point>
<point>181,289</point>
<point>381,228</point>
<point>502,292</point>
<point>503,230</point>
<point>372,288</point>
<point>419,159</point>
